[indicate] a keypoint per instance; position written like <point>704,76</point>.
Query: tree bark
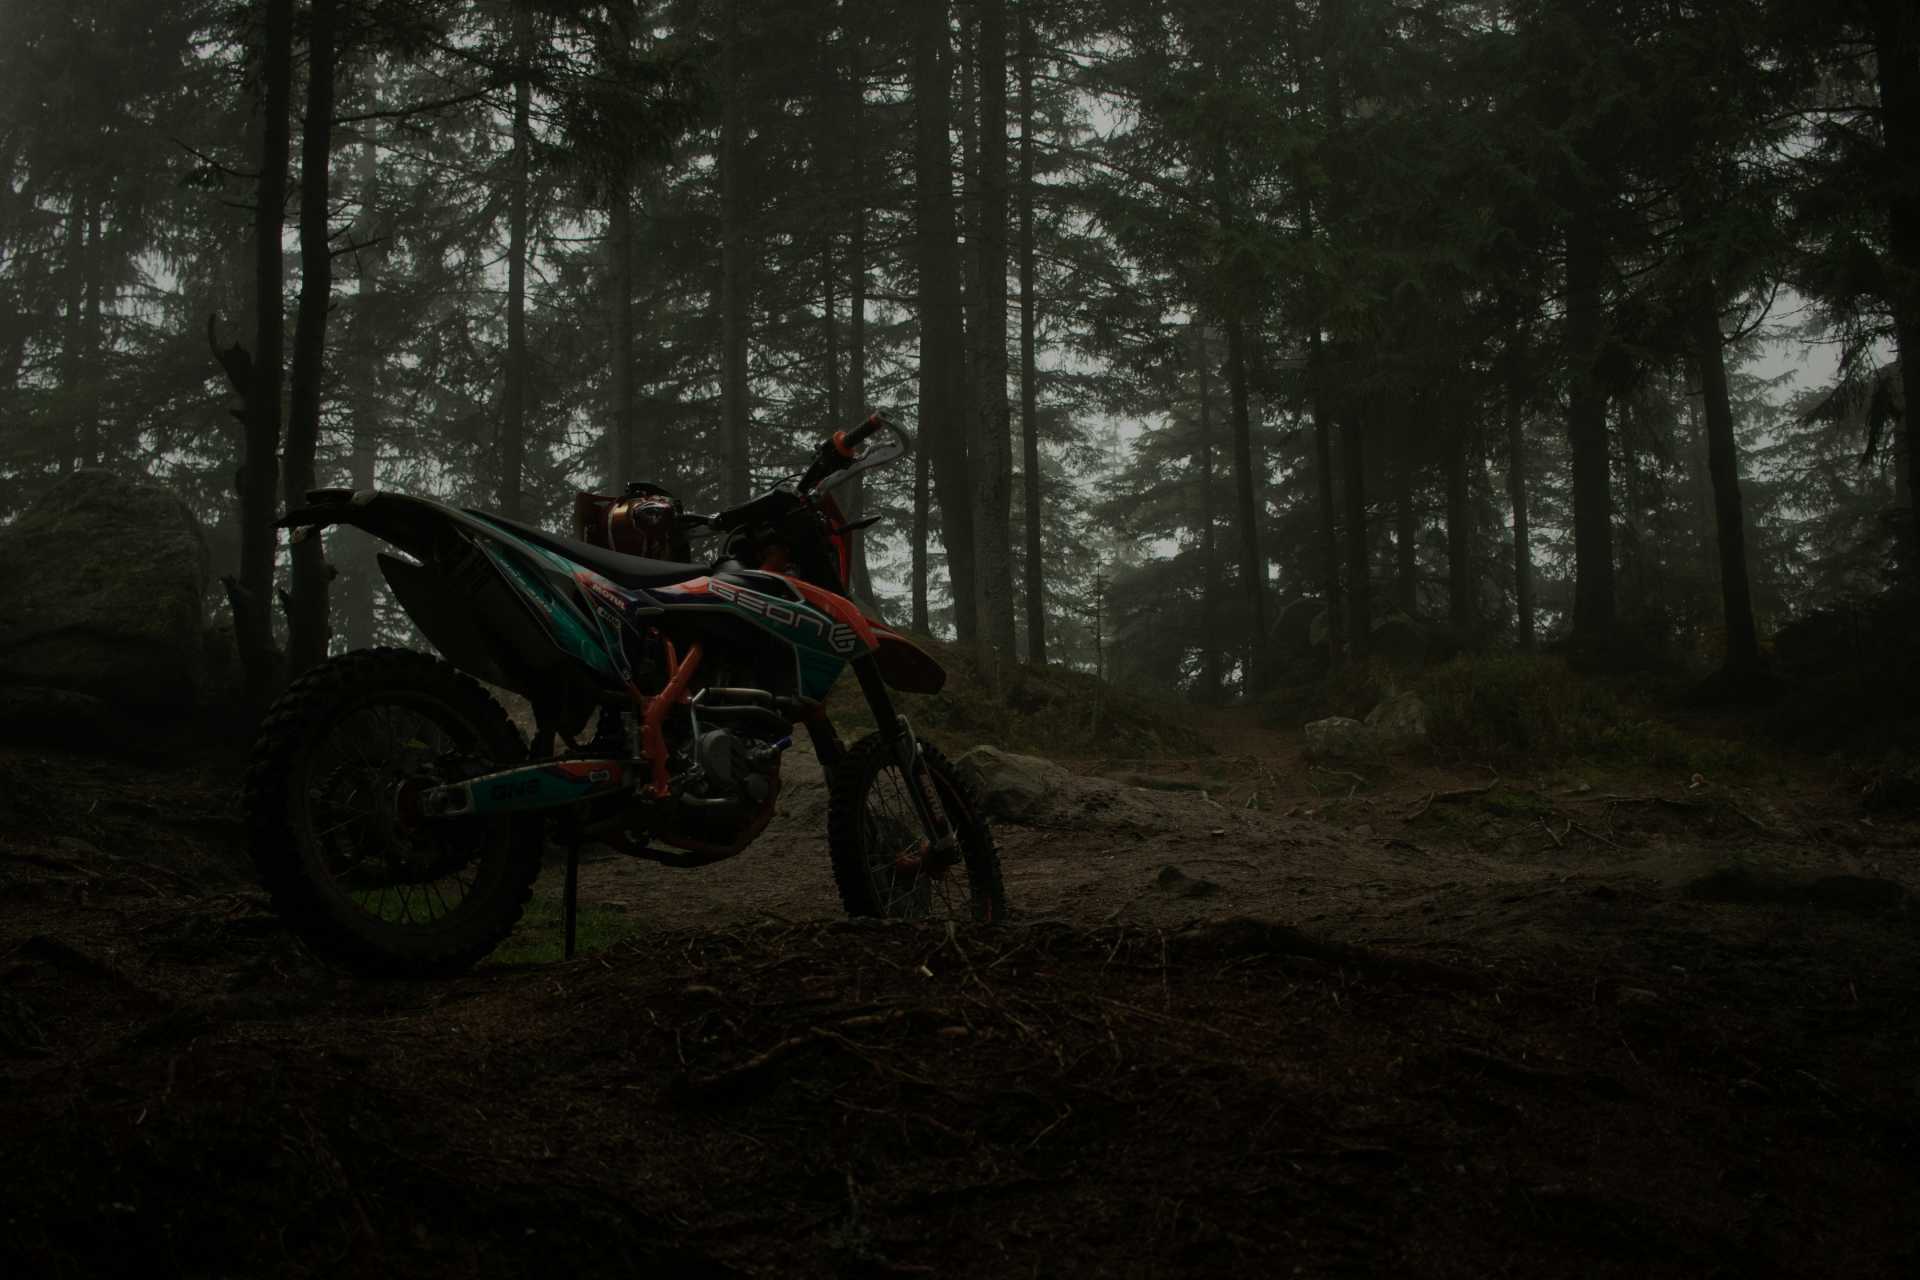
<point>513,428</point>
<point>1463,611</point>
<point>259,467</point>
<point>355,548</point>
<point>1212,662</point>
<point>1517,495</point>
<point>862,576</point>
<point>308,632</point>
<point>90,401</point>
<point>1036,569</point>
<point>734,292</point>
<point>917,568</point>
<point>1896,41</point>
<point>1593,590</point>
<point>995,486</point>
<point>1332,599</point>
<point>625,457</point>
<point>1359,587</point>
<point>73,341</point>
<point>1723,463</point>
<point>1253,567</point>
<point>1406,531</point>
<point>942,399</point>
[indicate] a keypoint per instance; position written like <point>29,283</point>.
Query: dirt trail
<point>1420,855</point>
<point>1578,1023</point>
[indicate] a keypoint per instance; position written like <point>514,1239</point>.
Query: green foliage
<point>1529,711</point>
<point>1047,712</point>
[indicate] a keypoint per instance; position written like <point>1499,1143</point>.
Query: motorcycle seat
<point>634,572</point>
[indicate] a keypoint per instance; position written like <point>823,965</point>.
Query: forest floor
<point>1251,1017</point>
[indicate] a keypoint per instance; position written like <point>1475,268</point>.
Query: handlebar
<point>836,452</point>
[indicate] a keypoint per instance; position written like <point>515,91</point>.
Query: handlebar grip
<point>865,429</point>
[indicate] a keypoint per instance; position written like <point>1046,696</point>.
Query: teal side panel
<point>568,630</point>
<point>818,671</point>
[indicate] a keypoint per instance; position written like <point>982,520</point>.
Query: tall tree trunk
<point>1593,587</point>
<point>734,292</point>
<point>73,342</point>
<point>830,334</point>
<point>1463,610</point>
<point>1723,463</point>
<point>1517,495</point>
<point>307,626</point>
<point>1359,587</point>
<point>1331,598</point>
<point>1211,655</point>
<point>513,429</point>
<point>942,399</point>
<point>917,568</point>
<point>354,548</point>
<point>994,474</point>
<point>1406,531</point>
<point>624,457</point>
<point>1253,569</point>
<point>1896,41</point>
<point>252,595</point>
<point>1036,568</point>
<point>862,576</point>
<point>91,400</point>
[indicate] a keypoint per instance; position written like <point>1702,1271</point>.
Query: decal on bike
<point>611,609</point>
<point>565,624</point>
<point>837,636</point>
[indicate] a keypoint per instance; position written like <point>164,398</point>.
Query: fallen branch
<point>724,1082</point>
<point>1463,793</point>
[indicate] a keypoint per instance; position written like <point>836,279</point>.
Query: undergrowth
<point>1038,711</point>
<point>1532,709</point>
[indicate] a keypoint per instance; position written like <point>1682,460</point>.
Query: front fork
<point>898,734</point>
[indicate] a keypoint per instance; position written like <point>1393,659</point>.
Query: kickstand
<point>571,904</point>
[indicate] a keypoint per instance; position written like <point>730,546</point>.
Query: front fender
<point>904,665</point>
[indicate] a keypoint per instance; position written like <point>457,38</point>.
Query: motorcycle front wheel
<point>880,860</point>
<point>335,828</point>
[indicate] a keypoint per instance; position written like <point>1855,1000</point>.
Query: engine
<point>730,769</point>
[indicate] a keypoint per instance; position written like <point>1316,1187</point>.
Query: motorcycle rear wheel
<point>351,867</point>
<point>875,839</point>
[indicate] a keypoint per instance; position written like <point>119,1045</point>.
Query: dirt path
<point>1442,859</point>
<point>1577,1023</point>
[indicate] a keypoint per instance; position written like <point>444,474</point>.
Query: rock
<point>101,586</point>
<point>1175,881</point>
<point>1398,643</point>
<point>1399,724</point>
<point>29,711</point>
<point>1016,788</point>
<point>1340,738</point>
<point>1320,630</point>
<point>1293,629</point>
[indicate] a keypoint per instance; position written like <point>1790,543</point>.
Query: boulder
<point>55,715</point>
<point>1399,723</point>
<point>1013,787</point>
<point>101,587</point>
<point>1293,629</point>
<point>1340,738</point>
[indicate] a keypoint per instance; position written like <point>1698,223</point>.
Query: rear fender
<point>497,606</point>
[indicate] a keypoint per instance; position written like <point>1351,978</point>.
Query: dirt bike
<point>399,820</point>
